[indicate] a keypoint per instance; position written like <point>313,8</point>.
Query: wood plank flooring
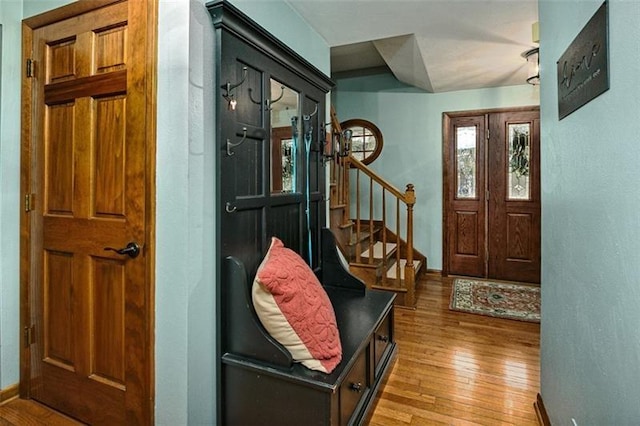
<point>22,412</point>
<point>455,368</point>
<point>452,368</point>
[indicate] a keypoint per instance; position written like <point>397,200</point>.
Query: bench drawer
<point>354,388</point>
<point>381,341</point>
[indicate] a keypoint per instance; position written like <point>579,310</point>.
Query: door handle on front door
<point>132,250</point>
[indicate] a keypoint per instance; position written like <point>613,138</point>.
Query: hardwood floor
<point>459,369</point>
<point>452,368</point>
<point>22,412</point>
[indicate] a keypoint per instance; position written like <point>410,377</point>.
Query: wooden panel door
<point>492,194</point>
<point>514,201</point>
<point>86,159</point>
<point>465,196</point>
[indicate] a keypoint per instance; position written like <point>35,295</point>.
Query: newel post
<point>409,270</point>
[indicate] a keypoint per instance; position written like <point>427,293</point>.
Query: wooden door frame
<point>447,168</point>
<point>143,19</point>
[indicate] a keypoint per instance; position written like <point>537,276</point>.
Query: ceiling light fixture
<point>533,73</point>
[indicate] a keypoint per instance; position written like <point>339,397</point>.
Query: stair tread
<point>364,225</point>
<point>355,264</point>
<point>398,288</point>
<point>391,273</point>
<point>342,226</point>
<point>354,237</point>
<point>378,252</point>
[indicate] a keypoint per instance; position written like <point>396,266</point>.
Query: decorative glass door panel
<point>466,162</point>
<point>519,149</point>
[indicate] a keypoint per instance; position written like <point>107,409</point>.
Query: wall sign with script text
<point>583,69</point>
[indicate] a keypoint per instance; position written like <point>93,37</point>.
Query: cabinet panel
<point>249,95</point>
<point>270,181</point>
<point>354,388</point>
<point>264,91</point>
<point>381,341</point>
<point>254,398</point>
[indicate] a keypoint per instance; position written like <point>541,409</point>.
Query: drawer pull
<point>356,387</point>
<point>383,338</point>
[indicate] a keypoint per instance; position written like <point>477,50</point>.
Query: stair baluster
<point>393,267</point>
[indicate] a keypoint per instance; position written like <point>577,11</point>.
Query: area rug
<point>496,299</point>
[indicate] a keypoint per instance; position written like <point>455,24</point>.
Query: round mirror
<point>366,139</point>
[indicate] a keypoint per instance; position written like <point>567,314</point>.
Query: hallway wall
<point>10,17</point>
<point>185,258</point>
<point>590,339</point>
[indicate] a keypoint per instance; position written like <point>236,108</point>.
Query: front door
<point>87,223</point>
<point>513,232</point>
<point>492,195</point>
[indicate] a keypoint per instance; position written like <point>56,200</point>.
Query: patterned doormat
<point>502,300</point>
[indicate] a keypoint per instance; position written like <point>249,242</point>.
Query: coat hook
<point>306,123</point>
<point>228,87</point>
<point>233,145</point>
<point>273,101</point>
<point>258,102</point>
<point>307,117</point>
<point>228,207</point>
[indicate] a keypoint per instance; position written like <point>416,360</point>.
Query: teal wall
<point>36,7</point>
<point>286,24</point>
<point>411,123</point>
<point>10,16</point>
<point>590,333</point>
<point>173,227</point>
<point>185,339</point>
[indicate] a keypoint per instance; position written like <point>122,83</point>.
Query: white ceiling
<point>437,45</point>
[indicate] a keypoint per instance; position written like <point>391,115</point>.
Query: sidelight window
<point>466,162</point>
<point>518,167</point>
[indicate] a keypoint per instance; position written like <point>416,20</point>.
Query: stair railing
<point>373,217</point>
<point>348,174</point>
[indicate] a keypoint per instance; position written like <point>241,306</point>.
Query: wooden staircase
<point>377,239</point>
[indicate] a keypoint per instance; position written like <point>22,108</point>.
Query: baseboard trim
<point>434,272</point>
<point>541,412</point>
<point>9,392</point>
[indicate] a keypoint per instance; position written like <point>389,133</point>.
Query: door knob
<point>132,250</point>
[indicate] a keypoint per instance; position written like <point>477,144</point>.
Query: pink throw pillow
<point>294,308</point>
